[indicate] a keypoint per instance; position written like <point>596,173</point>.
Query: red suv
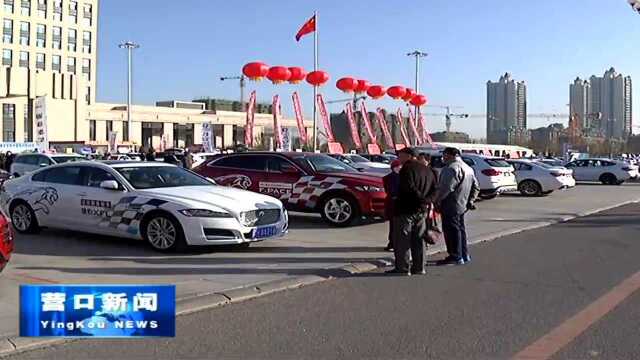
<point>305,182</point>
<point>6,240</point>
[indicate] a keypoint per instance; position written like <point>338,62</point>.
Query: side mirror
<point>44,164</point>
<point>110,185</point>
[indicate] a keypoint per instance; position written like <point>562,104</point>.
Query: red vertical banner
<point>324,114</point>
<point>251,110</point>
<point>414,128</point>
<point>382,122</point>
<point>425,133</point>
<point>403,130</point>
<point>367,124</point>
<point>297,108</point>
<point>277,128</point>
<point>355,135</point>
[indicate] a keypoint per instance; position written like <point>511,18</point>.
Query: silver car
<point>29,162</point>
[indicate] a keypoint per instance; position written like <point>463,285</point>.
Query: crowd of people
<point>417,198</point>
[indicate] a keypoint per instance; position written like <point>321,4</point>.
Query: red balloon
<point>410,93</point>
<point>347,84</point>
<point>297,74</point>
<point>255,70</point>
<point>278,74</point>
<point>397,92</point>
<point>376,91</point>
<point>363,86</point>
<point>317,78</point>
<point>419,100</point>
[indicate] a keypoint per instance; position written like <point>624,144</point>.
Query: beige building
<point>49,50</point>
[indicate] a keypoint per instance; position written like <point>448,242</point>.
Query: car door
<point>579,168</point>
<point>282,175</point>
<point>242,171</point>
<point>94,202</point>
<point>57,196</point>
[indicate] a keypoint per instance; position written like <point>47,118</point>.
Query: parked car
<point>306,182</point>
<point>495,175</point>
<point>363,164</point>
<point>552,162</point>
<point>6,240</point>
<point>382,158</point>
<point>537,179</point>
<point>163,204</point>
<point>200,158</point>
<point>606,171</point>
<point>119,157</point>
<point>27,162</point>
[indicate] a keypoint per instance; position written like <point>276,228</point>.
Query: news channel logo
<point>105,311</point>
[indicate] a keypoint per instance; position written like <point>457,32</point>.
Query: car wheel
<point>163,233</point>
<point>530,188</point>
<point>24,218</point>
<point>608,179</point>
<point>339,210</point>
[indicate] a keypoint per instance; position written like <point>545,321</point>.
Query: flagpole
<point>315,88</point>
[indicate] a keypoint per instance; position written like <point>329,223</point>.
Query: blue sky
<point>188,44</point>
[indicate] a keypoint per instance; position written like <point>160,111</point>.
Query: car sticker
<point>308,190</point>
<point>236,181</point>
<point>276,189</point>
<point>97,208</point>
<point>128,212</point>
<point>47,197</point>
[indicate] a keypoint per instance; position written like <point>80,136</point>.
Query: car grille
<point>260,217</point>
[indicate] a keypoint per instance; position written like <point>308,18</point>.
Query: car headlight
<point>367,188</point>
<point>205,213</point>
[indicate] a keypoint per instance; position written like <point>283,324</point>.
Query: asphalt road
<point>516,290</point>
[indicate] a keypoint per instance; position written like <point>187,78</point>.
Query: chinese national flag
<point>308,27</point>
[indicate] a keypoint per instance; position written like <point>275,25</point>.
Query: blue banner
<point>97,310</point>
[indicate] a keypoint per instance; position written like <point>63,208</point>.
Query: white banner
<point>286,139</point>
<point>113,141</point>
<point>248,129</point>
<point>207,137</point>
<point>42,138</point>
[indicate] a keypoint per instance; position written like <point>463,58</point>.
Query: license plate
<point>265,232</point>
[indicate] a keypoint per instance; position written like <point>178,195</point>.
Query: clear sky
<point>188,44</point>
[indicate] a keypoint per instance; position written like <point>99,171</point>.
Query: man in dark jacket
<point>391,187</point>
<point>415,192</point>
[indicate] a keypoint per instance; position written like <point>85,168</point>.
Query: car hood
<point>230,199</point>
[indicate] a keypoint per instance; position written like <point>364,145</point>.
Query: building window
<point>28,124</point>
<point>42,9</point>
<point>86,42</point>
<point>25,8</point>
<point>8,6</point>
<point>57,38</point>
<point>24,33</point>
<point>88,96</point>
<point>73,11</point>
<point>125,131</point>
<point>86,68</point>
<point>183,135</point>
<point>40,61</point>
<point>71,65</point>
<point>73,39</point>
<point>92,130</point>
<point>87,15</point>
<point>7,31</point>
<point>8,122</point>
<point>7,57</point>
<point>57,10</point>
<point>24,59</point>
<point>109,128</point>
<point>56,61</point>
<point>41,35</point>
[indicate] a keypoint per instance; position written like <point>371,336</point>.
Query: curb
<point>185,306</point>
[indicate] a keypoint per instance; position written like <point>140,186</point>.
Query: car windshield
<point>323,163</point>
<point>497,162</point>
<point>152,177</point>
<point>357,159</point>
<point>66,159</point>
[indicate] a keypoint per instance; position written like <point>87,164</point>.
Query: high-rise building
<point>506,109</point>
<point>603,104</point>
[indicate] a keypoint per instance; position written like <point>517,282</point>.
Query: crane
<point>243,80</point>
<point>354,99</point>
<point>448,115</point>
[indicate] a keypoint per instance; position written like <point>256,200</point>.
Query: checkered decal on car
<point>308,190</point>
<point>127,213</point>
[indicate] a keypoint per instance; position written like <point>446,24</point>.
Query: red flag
<point>308,27</point>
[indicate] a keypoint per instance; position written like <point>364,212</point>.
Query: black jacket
<point>417,189</point>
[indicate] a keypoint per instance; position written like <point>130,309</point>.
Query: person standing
<point>187,161</point>
<point>8,161</point>
<point>151,154</point>
<point>416,190</point>
<point>391,184</point>
<point>458,189</point>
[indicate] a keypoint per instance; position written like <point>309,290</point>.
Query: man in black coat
<point>416,191</point>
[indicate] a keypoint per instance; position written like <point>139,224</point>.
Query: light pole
<point>130,46</point>
<point>418,55</point>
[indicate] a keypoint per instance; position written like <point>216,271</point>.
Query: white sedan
<point>163,204</point>
<point>537,179</point>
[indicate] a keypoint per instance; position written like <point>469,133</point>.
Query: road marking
<point>32,278</point>
<point>565,333</point>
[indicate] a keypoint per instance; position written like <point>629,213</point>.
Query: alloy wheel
<point>338,210</point>
<point>161,233</point>
<point>21,218</point>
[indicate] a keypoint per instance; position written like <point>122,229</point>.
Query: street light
<point>130,46</point>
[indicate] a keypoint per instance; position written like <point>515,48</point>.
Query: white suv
<point>495,175</point>
<point>537,178</point>
<point>28,162</point>
<point>606,171</point>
